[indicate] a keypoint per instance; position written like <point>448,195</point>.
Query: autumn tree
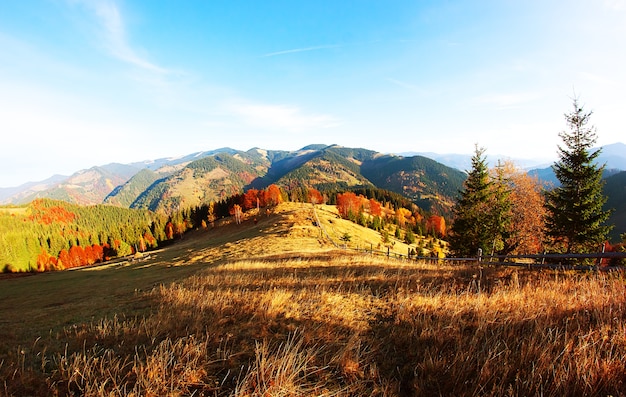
<point>272,195</point>
<point>375,208</point>
<point>437,225</point>
<point>348,205</point>
<point>314,196</point>
<point>251,199</point>
<point>575,216</point>
<point>526,229</point>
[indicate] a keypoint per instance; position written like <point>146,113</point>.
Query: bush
<point>9,268</point>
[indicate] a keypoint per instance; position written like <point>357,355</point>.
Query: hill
<point>202,181</point>
<point>273,308</point>
<point>615,190</point>
<point>430,184</point>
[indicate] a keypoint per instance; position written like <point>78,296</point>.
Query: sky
<point>90,82</point>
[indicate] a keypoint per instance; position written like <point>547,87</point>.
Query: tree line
<point>504,211</point>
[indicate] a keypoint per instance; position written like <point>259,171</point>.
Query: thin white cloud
<point>303,49</point>
<point>111,24</point>
<point>289,118</point>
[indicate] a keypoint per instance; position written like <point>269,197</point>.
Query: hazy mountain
<point>84,187</point>
<point>615,190</point>
<point>124,195</point>
<point>92,186</point>
<point>10,195</point>
<point>463,162</point>
<point>613,156</point>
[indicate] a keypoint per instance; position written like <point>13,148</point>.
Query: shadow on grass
<point>362,342</point>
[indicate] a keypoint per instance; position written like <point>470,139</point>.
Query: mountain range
<point>170,183</point>
<point>167,184</point>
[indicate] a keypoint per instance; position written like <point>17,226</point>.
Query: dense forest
<point>50,234</point>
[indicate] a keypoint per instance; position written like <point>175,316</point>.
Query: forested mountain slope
<point>615,190</point>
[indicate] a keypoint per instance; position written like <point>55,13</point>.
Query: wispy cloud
<point>112,27</point>
<point>303,49</point>
<point>290,118</point>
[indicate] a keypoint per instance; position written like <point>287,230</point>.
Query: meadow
<point>270,308</point>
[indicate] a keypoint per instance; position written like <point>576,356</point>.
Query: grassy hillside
<point>124,195</point>
<point>209,179</point>
<point>270,307</point>
<point>430,184</point>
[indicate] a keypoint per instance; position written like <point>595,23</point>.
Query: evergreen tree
<point>575,217</point>
<point>470,230</point>
<point>499,214</point>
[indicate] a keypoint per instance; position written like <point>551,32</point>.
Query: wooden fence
<point>601,260</point>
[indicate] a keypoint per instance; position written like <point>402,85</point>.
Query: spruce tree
<point>470,230</point>
<point>499,211</point>
<point>575,216</point>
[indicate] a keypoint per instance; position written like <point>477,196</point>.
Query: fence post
<point>600,257</point>
<point>480,255</point>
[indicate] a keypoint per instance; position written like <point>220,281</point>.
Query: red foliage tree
<point>348,204</point>
<point>43,260</point>
<point>314,196</point>
<point>98,252</point>
<point>436,224</point>
<point>375,208</point>
<point>251,199</point>
<point>77,256</point>
<point>64,258</point>
<point>89,255</point>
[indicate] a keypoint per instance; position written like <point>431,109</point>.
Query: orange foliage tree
<point>348,204</point>
<point>314,196</point>
<point>251,199</point>
<point>272,195</point>
<point>403,216</point>
<point>436,224</point>
<point>375,208</point>
<point>527,227</point>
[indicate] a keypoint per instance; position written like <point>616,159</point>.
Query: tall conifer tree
<point>575,217</point>
<point>470,230</point>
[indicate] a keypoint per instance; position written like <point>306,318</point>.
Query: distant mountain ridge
<point>613,155</point>
<point>220,175</point>
<point>168,184</point>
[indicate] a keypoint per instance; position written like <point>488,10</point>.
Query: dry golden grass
<point>330,324</point>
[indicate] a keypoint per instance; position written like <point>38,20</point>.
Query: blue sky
<point>85,83</point>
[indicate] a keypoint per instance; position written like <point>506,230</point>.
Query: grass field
<point>271,308</point>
